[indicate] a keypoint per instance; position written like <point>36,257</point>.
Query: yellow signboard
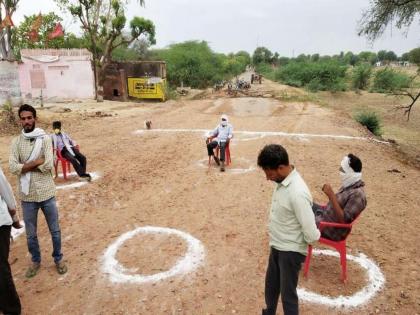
<point>147,88</point>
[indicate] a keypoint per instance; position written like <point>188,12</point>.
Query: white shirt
<point>292,222</point>
<point>222,132</point>
<point>7,200</point>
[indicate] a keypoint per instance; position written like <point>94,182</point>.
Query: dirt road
<point>161,179</point>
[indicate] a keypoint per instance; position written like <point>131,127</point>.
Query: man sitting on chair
<point>67,147</point>
<point>347,203</point>
<point>220,136</point>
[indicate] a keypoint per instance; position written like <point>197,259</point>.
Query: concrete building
<point>57,74</point>
<point>9,82</point>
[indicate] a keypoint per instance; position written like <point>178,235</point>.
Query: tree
<point>384,12</point>
<point>262,55</point>
<point>414,56</point>
<point>22,40</point>
<point>103,22</point>
<point>7,8</point>
<point>391,56</point>
<point>381,55</point>
<point>412,92</point>
<point>368,56</point>
<point>360,76</point>
<point>398,84</point>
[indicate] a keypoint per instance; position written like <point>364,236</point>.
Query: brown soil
<point>154,179</point>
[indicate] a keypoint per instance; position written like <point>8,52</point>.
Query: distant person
<point>347,203</point>
<point>67,147</point>
<point>291,227</point>
<point>31,159</point>
<point>9,299</point>
<point>221,137</point>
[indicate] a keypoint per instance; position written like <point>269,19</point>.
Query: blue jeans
<point>30,216</point>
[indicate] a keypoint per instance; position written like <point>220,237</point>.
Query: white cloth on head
<point>38,135</point>
<point>349,176</point>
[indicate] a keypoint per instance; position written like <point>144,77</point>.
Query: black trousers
<point>281,279</point>
<point>9,299</point>
<point>213,145</point>
<point>78,161</point>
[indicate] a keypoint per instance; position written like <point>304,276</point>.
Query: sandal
<point>61,267</point>
<point>32,270</point>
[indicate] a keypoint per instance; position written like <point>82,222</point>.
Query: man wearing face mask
<point>221,136</point>
<point>347,203</point>
<point>67,147</point>
<point>291,228</point>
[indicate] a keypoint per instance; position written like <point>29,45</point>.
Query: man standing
<point>68,149</point>
<point>9,299</point>
<point>31,159</point>
<point>220,136</point>
<point>291,228</point>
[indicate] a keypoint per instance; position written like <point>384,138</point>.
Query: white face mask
<point>224,123</point>
<point>349,176</point>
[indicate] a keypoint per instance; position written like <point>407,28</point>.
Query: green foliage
<point>319,76</point>
<point>262,55</point>
<point>371,121</point>
<point>266,70</point>
<point>194,64</point>
<point>384,12</point>
<point>414,56</point>
<point>368,56</point>
<point>388,80</point>
<point>360,76</point>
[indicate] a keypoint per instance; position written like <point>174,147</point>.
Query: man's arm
<point>18,168</point>
<point>6,192</point>
<point>304,214</point>
<point>213,133</point>
<point>339,212</point>
<point>48,161</point>
<point>230,133</point>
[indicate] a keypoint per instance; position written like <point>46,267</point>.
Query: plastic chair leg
<point>343,261</point>
<point>64,168</point>
<point>307,262</point>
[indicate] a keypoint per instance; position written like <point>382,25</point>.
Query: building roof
<point>76,52</point>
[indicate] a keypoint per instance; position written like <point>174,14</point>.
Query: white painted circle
<point>117,273</point>
<point>204,163</point>
<point>376,281</point>
<point>95,176</point>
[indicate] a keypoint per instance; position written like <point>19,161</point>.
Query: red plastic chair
<point>228,159</point>
<point>340,246</point>
<point>65,164</point>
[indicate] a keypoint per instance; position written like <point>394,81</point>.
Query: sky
<point>289,27</point>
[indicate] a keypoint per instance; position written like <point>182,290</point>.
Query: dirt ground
<point>161,179</point>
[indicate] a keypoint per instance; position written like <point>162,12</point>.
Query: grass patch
<point>371,121</point>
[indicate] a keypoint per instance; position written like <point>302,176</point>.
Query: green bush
<point>266,70</point>
<point>325,75</point>
<point>371,121</point>
<point>360,76</point>
<point>388,80</point>
<point>194,64</point>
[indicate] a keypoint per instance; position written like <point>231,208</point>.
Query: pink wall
<point>69,77</point>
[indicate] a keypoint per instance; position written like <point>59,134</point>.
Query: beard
<point>28,129</point>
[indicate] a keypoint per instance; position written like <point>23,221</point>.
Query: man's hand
<point>328,190</point>
<point>17,225</point>
<point>29,166</point>
<point>39,161</point>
